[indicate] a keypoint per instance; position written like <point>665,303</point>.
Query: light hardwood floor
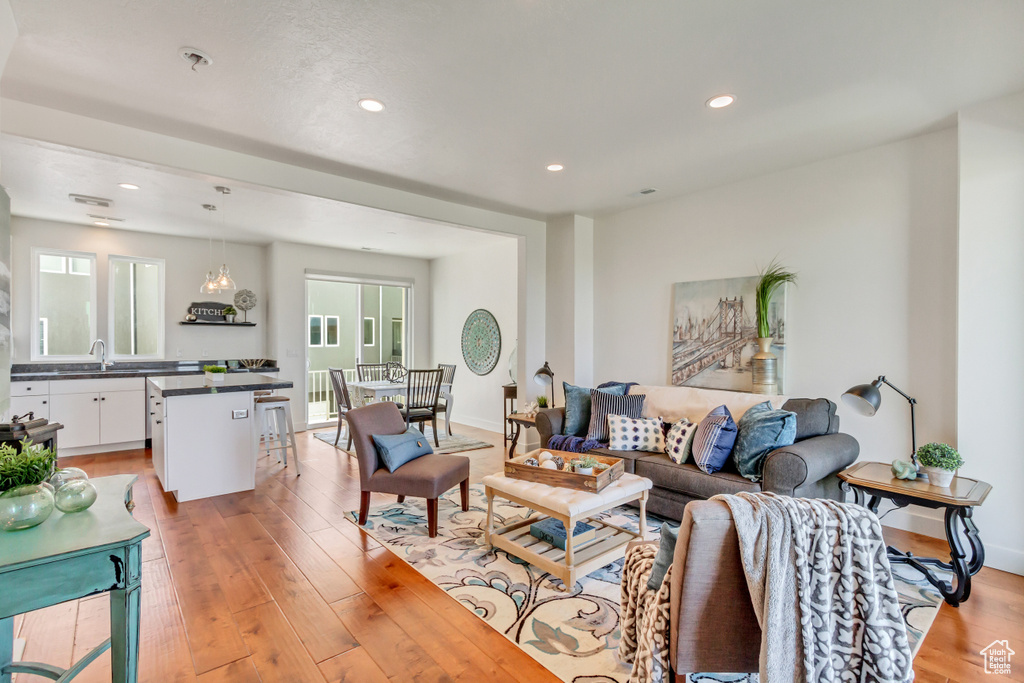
<point>277,585</point>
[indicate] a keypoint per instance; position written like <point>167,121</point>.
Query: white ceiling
<point>481,96</point>
<point>40,176</point>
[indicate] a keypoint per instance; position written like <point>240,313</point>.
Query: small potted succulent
<point>26,498</point>
<point>215,373</point>
<point>584,465</point>
<point>542,401</point>
<point>939,461</point>
<point>230,313</point>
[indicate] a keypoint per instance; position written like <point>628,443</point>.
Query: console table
<point>71,556</point>
<point>516,421</point>
<point>875,480</point>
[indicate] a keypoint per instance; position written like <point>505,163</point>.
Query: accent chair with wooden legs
<point>428,476</point>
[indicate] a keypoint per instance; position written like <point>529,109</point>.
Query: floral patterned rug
<point>575,634</point>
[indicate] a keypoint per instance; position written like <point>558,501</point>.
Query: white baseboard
<point>99,448</point>
<point>490,425</point>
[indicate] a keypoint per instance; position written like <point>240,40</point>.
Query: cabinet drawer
<point>30,388</point>
<point>39,405</point>
<point>88,386</point>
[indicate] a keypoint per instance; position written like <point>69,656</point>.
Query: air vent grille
<point>91,201</point>
<point>648,190</point>
<point>98,217</point>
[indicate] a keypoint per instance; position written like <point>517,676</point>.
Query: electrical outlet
<point>179,353</point>
<point>206,354</point>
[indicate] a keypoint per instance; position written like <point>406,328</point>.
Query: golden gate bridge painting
<point>714,333</point>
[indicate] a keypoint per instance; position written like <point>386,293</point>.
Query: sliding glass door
<point>350,322</point>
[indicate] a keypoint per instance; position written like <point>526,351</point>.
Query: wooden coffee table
<point>569,506</point>
<point>875,481</point>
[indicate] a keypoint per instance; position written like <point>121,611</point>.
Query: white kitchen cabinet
<point>80,415</point>
<point>39,405</point>
<point>122,416</point>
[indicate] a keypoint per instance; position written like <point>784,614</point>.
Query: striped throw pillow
<point>713,442</point>
<point>602,405</point>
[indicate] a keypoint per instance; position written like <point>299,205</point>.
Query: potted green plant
<point>25,498</point>
<point>585,464</point>
<point>939,461</point>
<point>542,401</point>
<point>215,373</point>
<point>230,313</point>
<point>764,373</point>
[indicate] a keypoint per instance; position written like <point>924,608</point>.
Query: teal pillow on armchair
<point>760,431</point>
<point>577,407</point>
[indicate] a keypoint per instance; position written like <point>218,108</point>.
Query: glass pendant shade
<point>210,286</point>
<point>224,280</point>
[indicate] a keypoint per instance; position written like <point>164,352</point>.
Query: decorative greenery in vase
<point>33,465</point>
<point>940,455</point>
<point>542,401</point>
<point>215,369</point>
<point>771,278</point>
<point>230,313</point>
<point>585,464</point>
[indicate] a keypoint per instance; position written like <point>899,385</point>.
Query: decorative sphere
<point>75,496</point>
<point>559,462</point>
<point>545,455</point>
<point>532,462</point>
<point>24,507</point>
<point>549,465</point>
<point>61,477</point>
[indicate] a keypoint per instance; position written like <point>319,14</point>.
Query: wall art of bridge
<point>717,342</point>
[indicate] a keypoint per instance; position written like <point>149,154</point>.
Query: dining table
<point>370,391</point>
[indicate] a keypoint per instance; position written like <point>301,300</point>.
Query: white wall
<point>287,265</point>
<point>460,284</point>
<point>872,237</point>
<point>991,319</point>
<point>186,264</point>
<point>569,340</point>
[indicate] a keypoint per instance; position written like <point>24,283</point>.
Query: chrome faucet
<point>103,353</point>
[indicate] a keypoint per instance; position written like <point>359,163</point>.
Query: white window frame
<point>63,265</point>
<point>337,330</point>
<point>72,271</point>
<point>162,331</point>
<point>309,332</point>
<point>373,331</point>
<point>36,251</point>
<point>44,334</point>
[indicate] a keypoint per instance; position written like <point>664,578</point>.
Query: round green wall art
<point>481,342</point>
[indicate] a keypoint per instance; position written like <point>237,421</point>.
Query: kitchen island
<point>204,432</point>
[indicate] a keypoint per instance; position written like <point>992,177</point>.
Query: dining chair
<point>421,392</point>
<point>444,405</point>
<point>371,372</point>
<point>428,476</point>
<point>344,401</point>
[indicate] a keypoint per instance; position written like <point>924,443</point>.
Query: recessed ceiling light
<point>371,105</point>
<point>719,101</point>
<point>102,224</point>
<point>128,186</point>
<point>555,167</point>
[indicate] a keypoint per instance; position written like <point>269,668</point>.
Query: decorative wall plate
<point>481,342</point>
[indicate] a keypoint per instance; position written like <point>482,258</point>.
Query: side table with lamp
<point>516,421</point>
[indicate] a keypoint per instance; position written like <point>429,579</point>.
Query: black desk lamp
<point>866,398</point>
<point>545,377</point>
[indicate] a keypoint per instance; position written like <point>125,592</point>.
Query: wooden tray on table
<point>515,469</point>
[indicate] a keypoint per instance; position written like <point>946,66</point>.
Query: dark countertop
<point>194,384</point>
<point>57,371</point>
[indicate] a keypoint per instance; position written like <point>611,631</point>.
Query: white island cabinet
<point>204,433</point>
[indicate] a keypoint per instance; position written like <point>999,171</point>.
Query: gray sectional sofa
<point>806,469</point>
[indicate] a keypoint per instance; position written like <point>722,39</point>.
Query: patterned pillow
<point>679,441</point>
<point>602,405</point>
<point>714,440</point>
<point>627,434</point>
<point>577,407</point>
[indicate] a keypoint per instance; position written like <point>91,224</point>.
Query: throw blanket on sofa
<point>574,444</point>
<point>644,621</point>
<point>822,589</point>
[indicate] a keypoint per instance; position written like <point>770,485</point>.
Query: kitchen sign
<point>211,311</point>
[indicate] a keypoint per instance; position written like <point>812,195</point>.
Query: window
<point>316,330</point>
<point>397,334</point>
<point>331,325</point>
<point>369,336</point>
<point>63,304</point>
<point>136,311</point>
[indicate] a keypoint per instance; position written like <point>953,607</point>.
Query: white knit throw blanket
<point>822,589</point>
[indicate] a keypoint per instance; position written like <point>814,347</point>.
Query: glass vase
<point>75,496</point>
<point>61,477</point>
<point>24,507</point>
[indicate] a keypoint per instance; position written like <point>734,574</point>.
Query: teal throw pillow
<point>577,407</point>
<point>395,450</point>
<point>666,551</point>
<point>760,431</point>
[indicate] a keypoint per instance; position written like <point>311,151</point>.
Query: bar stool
<point>280,408</point>
<point>267,432</point>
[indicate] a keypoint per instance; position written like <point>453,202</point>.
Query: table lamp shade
<point>544,376</point>
<point>864,398</point>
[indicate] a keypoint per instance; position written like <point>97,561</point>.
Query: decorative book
<point>551,530</point>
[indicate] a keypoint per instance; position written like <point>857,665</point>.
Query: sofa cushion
<point>577,407</point>
<point>689,480</point>
<point>602,405</point>
<point>814,416</point>
<point>672,404</point>
<point>628,434</point>
<point>629,458</point>
<point>679,441</point>
<point>759,432</point>
<point>713,442</point>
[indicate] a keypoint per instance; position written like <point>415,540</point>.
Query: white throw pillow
<point>627,434</point>
<point>679,441</point>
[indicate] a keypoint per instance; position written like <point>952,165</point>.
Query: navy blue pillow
<point>714,439</point>
<point>603,404</point>
<point>577,406</point>
<point>760,431</point>
<point>666,551</point>
<point>395,450</point>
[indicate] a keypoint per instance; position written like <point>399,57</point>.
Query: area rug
<point>449,444</point>
<point>575,635</point>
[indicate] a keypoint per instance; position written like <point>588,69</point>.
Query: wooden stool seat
<point>272,399</point>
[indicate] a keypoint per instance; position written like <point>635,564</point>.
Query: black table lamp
<point>866,399</point>
<point>546,378</point>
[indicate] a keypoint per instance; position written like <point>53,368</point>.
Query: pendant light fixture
<point>210,286</point>
<point>224,281</point>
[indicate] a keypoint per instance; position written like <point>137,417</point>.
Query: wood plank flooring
<point>276,585</point>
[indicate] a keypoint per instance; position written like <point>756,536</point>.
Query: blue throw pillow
<point>577,406</point>
<point>715,437</point>
<point>395,450</point>
<point>666,551</point>
<point>761,431</point>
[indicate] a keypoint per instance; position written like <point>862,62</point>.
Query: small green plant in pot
<point>542,401</point>
<point>215,373</point>
<point>585,464</point>
<point>25,498</point>
<point>939,461</point>
<point>230,313</point>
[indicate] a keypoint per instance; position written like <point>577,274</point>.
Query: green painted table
<point>73,556</point>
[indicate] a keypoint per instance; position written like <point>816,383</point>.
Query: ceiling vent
<point>371,249</point>
<point>648,190</point>
<point>91,201</point>
<point>98,217</point>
